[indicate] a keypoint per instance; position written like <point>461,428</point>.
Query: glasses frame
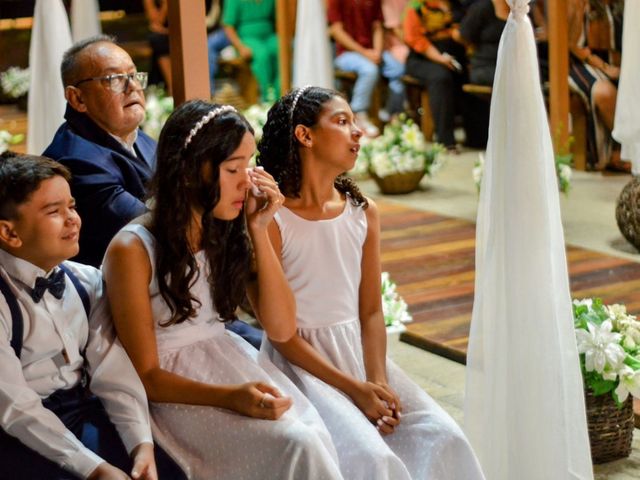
<point>140,77</point>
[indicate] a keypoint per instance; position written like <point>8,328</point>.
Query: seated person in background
<point>439,62</point>
<point>392,12</point>
<point>250,27</point>
<point>216,41</point>
<point>57,346</point>
<point>157,12</point>
<point>110,158</point>
<point>482,27</point>
<point>356,27</point>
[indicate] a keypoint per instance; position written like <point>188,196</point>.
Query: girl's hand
<point>144,464</point>
<point>261,208</point>
<point>388,424</point>
<point>373,400</point>
<point>259,400</point>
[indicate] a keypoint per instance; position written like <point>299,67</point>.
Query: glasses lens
<point>141,78</point>
<point>117,83</point>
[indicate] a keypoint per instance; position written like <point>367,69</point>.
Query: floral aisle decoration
<point>399,157</point>
<point>394,308</point>
<point>563,171</point>
<point>158,108</point>
<point>7,139</point>
<point>15,82</point>
<point>609,346</point>
<point>256,115</point>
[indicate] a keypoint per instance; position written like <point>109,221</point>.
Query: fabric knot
<point>55,283</point>
<point>519,8</point>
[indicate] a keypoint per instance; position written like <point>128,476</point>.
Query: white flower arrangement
<point>401,148</point>
<point>394,308</point>
<point>563,171</point>
<point>7,139</point>
<point>256,115</point>
<point>15,81</point>
<point>158,108</point>
<point>608,341</point>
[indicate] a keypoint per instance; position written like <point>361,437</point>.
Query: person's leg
<point>393,70</point>
<point>367,72</point>
<point>261,64</point>
<point>216,42</point>
<point>274,52</point>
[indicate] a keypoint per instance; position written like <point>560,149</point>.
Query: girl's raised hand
<point>263,199</point>
<point>259,400</point>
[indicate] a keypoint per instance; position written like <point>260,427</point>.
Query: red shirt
<point>357,18</point>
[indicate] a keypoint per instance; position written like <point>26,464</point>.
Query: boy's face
<point>46,229</point>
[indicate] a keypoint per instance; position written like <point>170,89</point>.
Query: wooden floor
<point>432,258</point>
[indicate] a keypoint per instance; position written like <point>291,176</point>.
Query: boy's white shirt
<point>42,369</point>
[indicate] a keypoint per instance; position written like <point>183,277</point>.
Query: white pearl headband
<point>299,93</point>
<point>206,119</point>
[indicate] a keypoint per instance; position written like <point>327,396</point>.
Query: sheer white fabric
<point>85,19</point>
<point>322,263</point>
<point>214,443</point>
<point>312,56</point>
<point>524,405</point>
<point>50,37</point>
<point>626,128</point>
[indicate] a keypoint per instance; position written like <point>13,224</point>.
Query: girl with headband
<point>327,237</point>
<point>176,274</point>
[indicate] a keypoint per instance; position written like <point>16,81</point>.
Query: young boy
<point>57,345</point>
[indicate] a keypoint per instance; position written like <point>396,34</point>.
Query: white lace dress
<point>214,443</point>
<point>321,260</point>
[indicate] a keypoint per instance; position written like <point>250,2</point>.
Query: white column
<point>85,19</point>
<point>312,57</point>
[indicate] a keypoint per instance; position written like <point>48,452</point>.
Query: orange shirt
<point>432,20</point>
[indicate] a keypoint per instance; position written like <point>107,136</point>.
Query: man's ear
<point>303,134</point>
<point>74,97</point>
<point>8,234</point>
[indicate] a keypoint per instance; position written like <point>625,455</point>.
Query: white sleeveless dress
<point>322,262</point>
<point>215,443</point>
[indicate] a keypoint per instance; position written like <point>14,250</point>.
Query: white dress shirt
<point>55,333</point>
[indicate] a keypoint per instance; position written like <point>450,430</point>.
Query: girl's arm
<point>270,295</point>
<point>374,334</point>
<point>367,396</point>
<point>127,272</point>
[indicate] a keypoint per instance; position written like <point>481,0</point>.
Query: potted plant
<point>7,139</point>
<point>15,85</point>
<point>394,308</point>
<point>399,158</point>
<point>609,346</point>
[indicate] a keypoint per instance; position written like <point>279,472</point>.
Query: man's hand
<point>144,463</point>
<point>106,471</point>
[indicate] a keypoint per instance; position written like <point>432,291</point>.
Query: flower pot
<point>610,427</point>
<point>399,182</point>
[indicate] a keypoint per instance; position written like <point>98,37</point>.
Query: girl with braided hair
<point>327,236</point>
<point>176,274</point>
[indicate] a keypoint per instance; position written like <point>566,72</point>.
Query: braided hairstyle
<point>176,187</point>
<point>279,147</point>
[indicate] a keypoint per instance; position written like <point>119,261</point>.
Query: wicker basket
<point>399,182</point>
<point>610,427</point>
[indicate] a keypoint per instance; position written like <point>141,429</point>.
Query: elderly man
<point>110,158</point>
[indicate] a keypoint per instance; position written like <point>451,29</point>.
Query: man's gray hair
<point>70,65</point>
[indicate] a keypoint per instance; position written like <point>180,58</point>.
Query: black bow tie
<point>54,283</point>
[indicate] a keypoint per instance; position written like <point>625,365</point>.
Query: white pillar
<point>85,19</point>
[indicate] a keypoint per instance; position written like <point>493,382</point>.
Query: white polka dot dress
<point>214,443</point>
<point>322,261</point>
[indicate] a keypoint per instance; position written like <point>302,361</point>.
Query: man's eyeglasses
<point>119,82</point>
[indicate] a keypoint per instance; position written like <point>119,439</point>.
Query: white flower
<point>601,347</point>
<point>394,309</point>
<point>587,302</point>
<point>629,383</point>
<point>15,81</point>
<point>565,172</point>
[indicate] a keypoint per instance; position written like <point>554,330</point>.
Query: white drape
<point>50,37</point>
<point>312,57</point>
<point>524,403</point>
<point>85,19</point>
<point>626,129</point>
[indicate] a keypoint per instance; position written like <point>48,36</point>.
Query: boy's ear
<point>303,135</point>
<point>8,234</point>
<point>74,97</point>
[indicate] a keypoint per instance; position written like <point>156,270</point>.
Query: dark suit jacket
<point>109,183</point>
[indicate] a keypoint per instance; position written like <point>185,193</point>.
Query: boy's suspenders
<point>17,327</point>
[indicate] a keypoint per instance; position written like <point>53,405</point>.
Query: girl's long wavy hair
<point>280,149</point>
<point>177,186</point>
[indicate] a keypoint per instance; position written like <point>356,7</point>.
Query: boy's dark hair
<point>177,185</point>
<point>279,148</point>
<point>70,66</point>
<point>20,176</point>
